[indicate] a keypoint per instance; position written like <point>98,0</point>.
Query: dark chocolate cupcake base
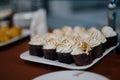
<point>65,58</point>
<point>82,59</point>
<point>50,54</point>
<point>36,50</point>
<point>97,51</point>
<point>111,41</point>
<point>104,47</point>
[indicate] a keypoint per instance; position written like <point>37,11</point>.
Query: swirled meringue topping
<point>84,35</point>
<point>50,35</point>
<point>50,44</point>
<point>66,28</point>
<point>65,46</point>
<point>58,32</point>
<point>93,42</point>
<point>78,29</point>
<point>81,48</point>
<point>108,31</point>
<point>96,34</point>
<point>36,40</point>
<point>81,31</point>
<point>77,51</point>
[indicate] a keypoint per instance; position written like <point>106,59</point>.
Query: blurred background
<point>86,13</point>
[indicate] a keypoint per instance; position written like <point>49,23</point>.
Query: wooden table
<point>14,68</point>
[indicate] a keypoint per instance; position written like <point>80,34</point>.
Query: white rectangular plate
<point>25,33</point>
<point>28,57</point>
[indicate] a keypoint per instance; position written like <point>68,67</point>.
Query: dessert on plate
<point>49,47</point>
<point>111,36</point>
<point>73,45</point>
<point>97,41</point>
<point>36,45</point>
<point>63,51</point>
<point>82,54</point>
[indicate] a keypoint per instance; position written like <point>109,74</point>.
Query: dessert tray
<point>28,57</point>
<point>71,75</point>
<point>25,33</point>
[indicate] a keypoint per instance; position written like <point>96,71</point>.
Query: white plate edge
<point>75,72</point>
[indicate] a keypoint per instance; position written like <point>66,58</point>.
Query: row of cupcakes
<point>77,45</point>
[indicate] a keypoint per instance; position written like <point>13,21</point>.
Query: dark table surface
<point>14,68</point>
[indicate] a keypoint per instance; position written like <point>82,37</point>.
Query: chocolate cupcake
<point>97,42</point>
<point>36,45</point>
<point>111,36</point>
<point>63,51</point>
<point>49,48</point>
<point>82,54</point>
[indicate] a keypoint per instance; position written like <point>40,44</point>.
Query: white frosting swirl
<point>108,31</point>
<point>66,28</point>
<point>84,35</point>
<point>50,44</point>
<point>78,29</point>
<point>77,51</point>
<point>96,34</point>
<point>58,32</point>
<point>81,48</point>
<point>36,40</point>
<point>81,31</point>
<point>49,36</point>
<point>93,42</point>
<point>65,46</point>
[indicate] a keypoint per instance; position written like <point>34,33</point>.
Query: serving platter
<point>25,33</point>
<point>26,56</point>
